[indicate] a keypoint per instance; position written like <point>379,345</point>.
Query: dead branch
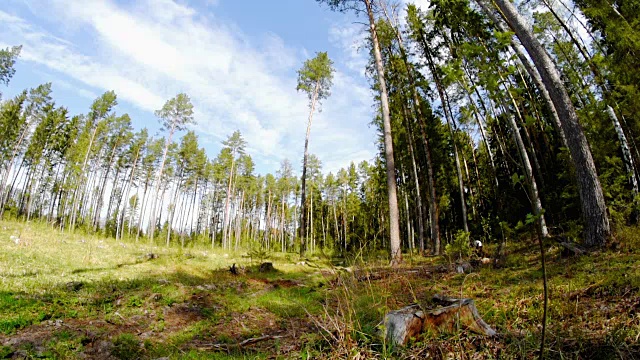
<point>250,341</point>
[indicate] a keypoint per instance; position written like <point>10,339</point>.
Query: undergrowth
<point>71,295</point>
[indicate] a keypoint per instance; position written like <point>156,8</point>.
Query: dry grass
<point>66,295</point>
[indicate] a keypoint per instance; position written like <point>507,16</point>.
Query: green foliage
<point>316,76</point>
<point>8,58</point>
<point>176,113</point>
<point>258,254</point>
<point>460,246</point>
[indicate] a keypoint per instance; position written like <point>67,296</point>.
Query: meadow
<point>65,295</point>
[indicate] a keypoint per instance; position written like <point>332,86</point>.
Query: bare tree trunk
<point>394,222</point>
<point>444,100</point>
<point>126,198</point>
<point>408,219</point>
<point>143,209</point>
<point>433,205</point>
<point>335,221</point>
<point>313,239</point>
<point>96,217</point>
<point>152,219</point>
<point>267,224</point>
<point>626,153</point>
<point>227,205</point>
<point>82,175</point>
<point>531,70</point>
<point>597,228</point>
<point>416,183</point>
<point>175,205</point>
<point>303,205</point>
<point>239,216</point>
<point>4,194</point>
<point>531,180</point>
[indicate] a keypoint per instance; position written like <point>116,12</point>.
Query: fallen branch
<point>250,341</point>
<point>574,249</point>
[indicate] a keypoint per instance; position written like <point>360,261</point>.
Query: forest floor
<point>77,296</point>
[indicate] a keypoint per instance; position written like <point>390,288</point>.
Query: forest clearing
<point>447,179</point>
<point>78,296</point>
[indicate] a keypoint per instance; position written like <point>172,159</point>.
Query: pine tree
<point>315,80</point>
<point>174,116</point>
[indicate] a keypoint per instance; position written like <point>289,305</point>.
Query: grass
<point>64,295</point>
<point>53,282</point>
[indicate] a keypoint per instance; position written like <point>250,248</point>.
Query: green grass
<point>53,280</point>
<point>63,294</point>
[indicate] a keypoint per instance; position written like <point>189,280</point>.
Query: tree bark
<point>433,202</point>
<point>394,222</point>
<point>154,199</point>
<point>531,70</point>
<point>597,228</point>
<point>626,152</point>
<point>303,205</point>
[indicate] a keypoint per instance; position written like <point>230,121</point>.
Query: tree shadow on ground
<point>168,313</point>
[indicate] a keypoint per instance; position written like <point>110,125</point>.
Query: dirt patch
<point>94,336</point>
<point>181,315</point>
<point>254,323</point>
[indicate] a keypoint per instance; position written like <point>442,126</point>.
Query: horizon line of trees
<point>488,125</point>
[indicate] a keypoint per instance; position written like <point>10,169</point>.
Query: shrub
<point>460,247</point>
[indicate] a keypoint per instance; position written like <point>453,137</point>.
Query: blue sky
<point>236,59</point>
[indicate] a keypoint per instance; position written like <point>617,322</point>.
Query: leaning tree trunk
<point>531,70</point>
<point>626,152</point>
<point>433,202</point>
<point>534,195</point>
<point>416,182</point>
<point>303,205</point>
<point>444,101</point>
<point>154,199</point>
<point>74,213</point>
<point>394,222</point>
<point>594,210</point>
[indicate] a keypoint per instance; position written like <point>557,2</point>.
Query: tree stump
<point>266,267</point>
<point>233,269</point>
<point>403,324</point>
<point>410,321</point>
<point>459,314</point>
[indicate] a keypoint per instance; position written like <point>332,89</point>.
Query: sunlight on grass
<point>181,302</point>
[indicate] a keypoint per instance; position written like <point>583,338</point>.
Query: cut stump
<point>266,267</point>
<point>410,321</point>
<point>403,324</point>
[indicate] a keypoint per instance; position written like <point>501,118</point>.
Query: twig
<point>241,344</point>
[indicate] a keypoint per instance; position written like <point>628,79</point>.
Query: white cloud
<point>87,94</point>
<point>351,39</point>
<point>150,50</point>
